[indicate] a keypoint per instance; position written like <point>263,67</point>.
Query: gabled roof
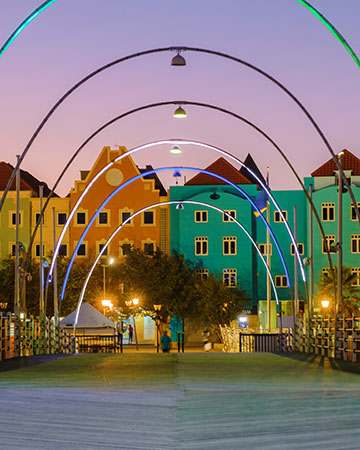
<point>349,162</point>
<point>220,167</point>
<point>27,181</point>
<point>153,176</point>
<point>89,317</point>
<point>250,163</point>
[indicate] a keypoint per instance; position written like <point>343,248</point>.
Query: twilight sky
<point>74,37</point>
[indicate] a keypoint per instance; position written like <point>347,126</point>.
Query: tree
<point>350,293</point>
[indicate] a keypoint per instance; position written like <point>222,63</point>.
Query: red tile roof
<point>349,162</point>
<point>27,181</point>
<point>220,167</point>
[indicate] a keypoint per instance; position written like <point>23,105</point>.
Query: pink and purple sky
<point>72,38</point>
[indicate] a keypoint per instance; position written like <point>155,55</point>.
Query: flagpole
<point>268,259</point>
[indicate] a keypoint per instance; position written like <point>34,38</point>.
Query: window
<point>37,250</point>
<point>201,245</point>
<point>300,247</point>
<point>229,245</point>
<point>281,281</point>
<point>355,243</point>
<point>80,218</point>
<point>263,249</point>
<point>330,241</point>
<point>100,247</point>
<point>325,271</point>
<point>149,248</point>
<point>148,218</point>
<point>278,218</point>
<point>13,218</point>
<point>356,271</point>
<point>13,249</point>
<point>352,211</point>
<point>232,213</point>
<point>82,250</point>
<point>37,217</point>
<point>125,249</point>
<point>124,216</point>
<point>201,216</point>
<point>202,273</point>
<point>61,218</point>
<point>63,250</point>
<point>328,212</point>
<point>230,277</point>
<point>103,218</point>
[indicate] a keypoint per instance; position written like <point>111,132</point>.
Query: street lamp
<point>110,261</point>
<point>157,309</point>
<point>325,305</point>
<point>107,304</point>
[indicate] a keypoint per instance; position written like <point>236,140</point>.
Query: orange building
<point>147,231</point>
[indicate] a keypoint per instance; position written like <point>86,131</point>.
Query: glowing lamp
<point>180,113</point>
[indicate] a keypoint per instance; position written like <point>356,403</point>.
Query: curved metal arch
<point>183,142</point>
<point>136,149</point>
<point>83,290</point>
<point>162,169</point>
<point>332,28</point>
<point>177,48</point>
<point>23,24</point>
<point>251,124</point>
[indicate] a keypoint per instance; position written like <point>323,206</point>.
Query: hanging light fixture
<point>179,206</point>
<point>180,113</point>
<point>178,60</point>
<point>214,196</point>
<point>175,149</point>
<point>176,174</point>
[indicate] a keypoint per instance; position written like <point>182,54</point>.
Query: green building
<point>218,245</point>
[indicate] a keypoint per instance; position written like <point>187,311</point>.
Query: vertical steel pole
<point>17,249</point>
<point>296,273</point>
<point>42,312</point>
<point>104,284</point>
<point>311,253</point>
<point>338,303</point>
<point>268,261</point>
<point>56,305</point>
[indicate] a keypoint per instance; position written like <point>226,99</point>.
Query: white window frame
<point>203,216</point>
<point>356,270</point>
<point>300,246</point>
<point>281,281</point>
<point>352,211</point>
<point>202,273</point>
<point>227,241</point>
<point>203,240</point>
<point>278,218</point>
<point>355,238</point>
<point>330,240</point>
<point>263,249</point>
<point>230,278</point>
<point>232,213</point>
<point>328,210</point>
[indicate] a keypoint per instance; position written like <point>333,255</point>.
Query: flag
<point>262,199</point>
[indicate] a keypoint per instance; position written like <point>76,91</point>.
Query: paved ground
<point>190,401</point>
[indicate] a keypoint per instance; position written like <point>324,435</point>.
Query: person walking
<point>131,333</point>
<point>165,342</point>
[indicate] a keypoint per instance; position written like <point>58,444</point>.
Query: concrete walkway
<point>186,401</point>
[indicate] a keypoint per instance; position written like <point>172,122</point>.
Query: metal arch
<point>177,48</point>
<point>184,142</point>
<point>332,28</point>
<point>23,24</point>
<point>162,169</point>
<point>227,153</point>
<point>81,297</point>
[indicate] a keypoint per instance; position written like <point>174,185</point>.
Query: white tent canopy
<point>89,317</point>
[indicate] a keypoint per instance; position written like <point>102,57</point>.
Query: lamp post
<point>106,304</point>
<point>157,309</point>
<point>111,261</point>
<point>132,304</point>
